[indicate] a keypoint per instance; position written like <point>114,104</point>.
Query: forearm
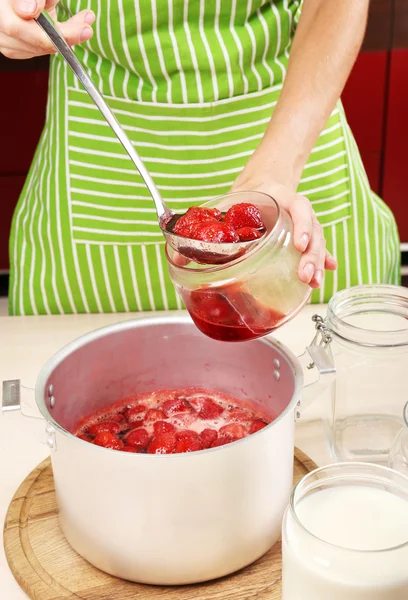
<point>326,43</point>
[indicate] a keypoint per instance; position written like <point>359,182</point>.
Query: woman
<point>198,85</point>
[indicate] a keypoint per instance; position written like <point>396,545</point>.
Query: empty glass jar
<point>398,458</point>
<point>368,326</point>
<point>252,295</point>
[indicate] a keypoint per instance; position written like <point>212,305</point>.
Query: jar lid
<point>373,316</point>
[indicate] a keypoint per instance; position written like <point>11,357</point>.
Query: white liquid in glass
<point>361,520</point>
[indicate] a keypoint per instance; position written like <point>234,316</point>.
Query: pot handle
<point>318,357</point>
<point>13,398</point>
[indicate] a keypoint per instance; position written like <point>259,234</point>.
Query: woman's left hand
<point>308,233</point>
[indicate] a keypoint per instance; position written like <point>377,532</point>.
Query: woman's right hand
<point>21,37</point>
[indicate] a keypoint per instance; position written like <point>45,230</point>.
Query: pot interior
<point>167,353</point>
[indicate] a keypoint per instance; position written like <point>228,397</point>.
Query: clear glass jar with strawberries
<point>257,292</point>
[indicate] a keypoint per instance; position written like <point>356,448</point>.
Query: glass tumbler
<point>368,327</point>
<point>345,535</point>
<point>252,295</point>
<point>398,458</point>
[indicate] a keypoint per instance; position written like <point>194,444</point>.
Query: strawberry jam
<point>232,316</point>
<point>170,422</point>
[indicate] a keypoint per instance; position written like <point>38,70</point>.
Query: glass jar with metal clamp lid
<point>367,329</point>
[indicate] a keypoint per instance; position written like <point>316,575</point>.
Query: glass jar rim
<point>342,467</point>
<point>406,414</point>
<point>266,238</point>
<point>392,296</point>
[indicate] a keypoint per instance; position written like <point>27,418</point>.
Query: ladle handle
<point>94,93</point>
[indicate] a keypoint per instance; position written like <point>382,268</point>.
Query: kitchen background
<point>375,99</point>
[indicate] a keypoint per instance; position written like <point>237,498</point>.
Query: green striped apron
<point>194,83</point>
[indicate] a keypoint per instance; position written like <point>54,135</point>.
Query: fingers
<point>78,28</point>
<point>311,265</point>
<point>27,9</point>
<point>302,216</point>
<point>25,39</point>
<point>330,263</point>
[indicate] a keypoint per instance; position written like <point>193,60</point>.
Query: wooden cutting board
<point>47,568</point>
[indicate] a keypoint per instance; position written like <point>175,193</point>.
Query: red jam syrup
<point>170,422</point>
<point>232,315</point>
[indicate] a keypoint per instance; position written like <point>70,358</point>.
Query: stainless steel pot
<point>170,519</point>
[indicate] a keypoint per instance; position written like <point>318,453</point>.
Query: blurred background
<point>375,99</point>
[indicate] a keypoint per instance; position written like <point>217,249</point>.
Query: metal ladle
<point>193,249</point>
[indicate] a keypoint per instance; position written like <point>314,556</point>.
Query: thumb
<point>29,9</point>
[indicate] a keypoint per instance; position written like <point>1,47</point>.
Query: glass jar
<point>345,535</point>
<point>368,327</point>
<point>398,458</point>
<point>252,295</point>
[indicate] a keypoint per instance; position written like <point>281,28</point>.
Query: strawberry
<point>139,438</point>
<point>162,444</point>
<point>84,437</point>
<point>189,445</point>
<point>238,414</point>
<point>186,434</point>
<point>247,234</point>
<point>107,426</point>
<point>244,215</point>
<point>192,217</point>
<point>136,414</point>
<point>220,233</point>
<point>131,449</point>
<point>153,414</point>
<point>210,410</point>
<point>108,440</point>
<point>160,427</point>
<point>174,406</point>
<point>256,425</point>
<point>234,431</point>
<point>221,441</point>
<point>208,437</point>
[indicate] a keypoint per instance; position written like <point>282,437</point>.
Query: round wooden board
<point>47,568</point>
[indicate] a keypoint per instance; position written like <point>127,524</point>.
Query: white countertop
<point>26,343</point>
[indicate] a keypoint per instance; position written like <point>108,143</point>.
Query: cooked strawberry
<point>84,437</point>
<point>162,444</point>
<point>234,431</point>
<point>221,441</point>
<point>136,413</point>
<point>175,406</point>
<point>153,414</point>
<point>189,445</point>
<point>108,440</point>
<point>210,410</point>
<point>107,426</point>
<point>139,438</point>
<point>208,437</point>
<point>194,215</point>
<point>247,234</point>
<point>214,231</point>
<point>256,425</point>
<point>244,215</point>
<point>160,427</point>
<point>131,449</point>
<point>238,414</point>
<point>186,434</point>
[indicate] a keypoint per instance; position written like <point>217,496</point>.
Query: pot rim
<point>143,321</point>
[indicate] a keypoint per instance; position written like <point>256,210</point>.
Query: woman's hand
<point>308,233</point>
<point>21,37</point>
